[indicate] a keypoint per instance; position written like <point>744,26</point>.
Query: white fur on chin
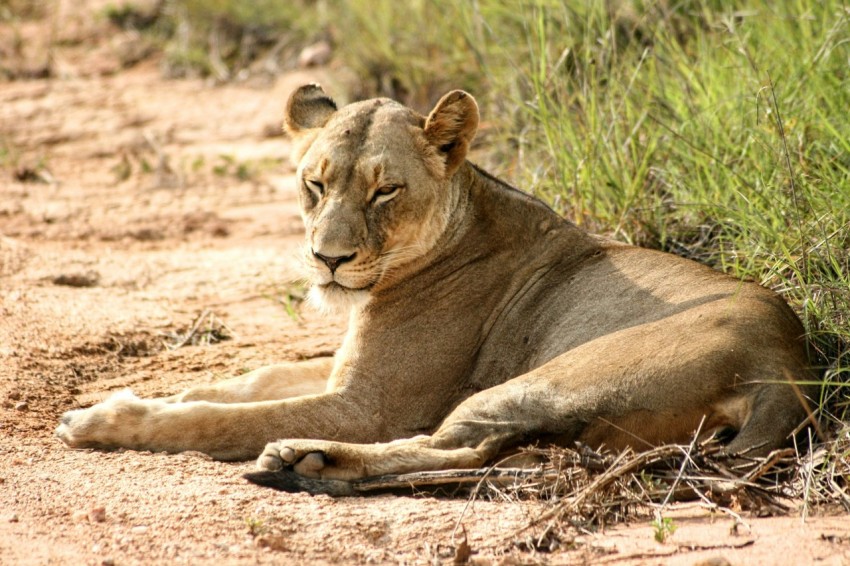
<point>333,299</point>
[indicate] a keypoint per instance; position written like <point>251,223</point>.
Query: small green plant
<point>255,526</point>
<point>145,166</point>
<point>663,528</point>
<point>244,172</point>
<point>197,163</point>
<point>9,155</point>
<point>229,166</point>
<point>651,482</point>
<point>131,16</point>
<point>290,297</point>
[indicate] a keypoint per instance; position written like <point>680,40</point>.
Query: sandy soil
<point>129,206</point>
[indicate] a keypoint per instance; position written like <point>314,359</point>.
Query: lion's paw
<point>305,458</point>
<point>103,425</point>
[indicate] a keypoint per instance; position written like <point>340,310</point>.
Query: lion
<point>479,321</point>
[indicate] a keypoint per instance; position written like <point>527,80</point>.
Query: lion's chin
<point>333,298</point>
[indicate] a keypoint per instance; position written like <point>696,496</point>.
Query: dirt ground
<point>130,206</point>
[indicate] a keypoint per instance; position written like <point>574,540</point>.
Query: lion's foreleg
<point>265,384</point>
<point>346,461</point>
<point>236,431</point>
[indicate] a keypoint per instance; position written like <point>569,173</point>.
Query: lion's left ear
<point>307,111</point>
<point>307,108</point>
<point>451,127</point>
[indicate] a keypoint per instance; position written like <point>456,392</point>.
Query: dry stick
<point>625,431</point>
<point>711,506</point>
<point>837,489</point>
<point>469,501</point>
<point>685,461</point>
<point>679,548</point>
<point>443,477</point>
<point>192,331</point>
<point>768,464</point>
<point>205,314</point>
<point>230,332</point>
<point>618,469</point>
<point>807,486</point>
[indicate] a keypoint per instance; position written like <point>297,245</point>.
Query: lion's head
<point>374,181</point>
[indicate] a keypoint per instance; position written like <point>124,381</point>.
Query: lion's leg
<point>473,434</point>
<point>773,416</point>
<point>269,383</point>
<point>225,431</point>
<point>346,461</point>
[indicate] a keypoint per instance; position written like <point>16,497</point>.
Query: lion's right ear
<point>308,108</point>
<point>451,126</point>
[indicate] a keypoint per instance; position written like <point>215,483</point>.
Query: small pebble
<point>80,516</point>
<point>13,518</point>
<point>97,514</point>
<point>314,55</point>
<point>141,529</point>
<point>87,279</point>
<point>22,406</point>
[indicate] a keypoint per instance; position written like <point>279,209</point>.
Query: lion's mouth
<point>337,286</point>
<point>333,286</point>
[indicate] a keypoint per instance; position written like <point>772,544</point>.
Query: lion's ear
<point>308,108</point>
<point>451,126</point>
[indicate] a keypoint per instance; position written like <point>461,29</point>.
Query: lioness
<point>479,320</point>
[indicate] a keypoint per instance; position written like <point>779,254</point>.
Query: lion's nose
<point>333,262</point>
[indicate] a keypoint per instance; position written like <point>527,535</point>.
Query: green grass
<point>714,130</point>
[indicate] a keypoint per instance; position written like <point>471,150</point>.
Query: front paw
<point>306,458</point>
<point>105,425</point>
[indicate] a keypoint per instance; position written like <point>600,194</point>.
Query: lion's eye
<point>316,187</point>
<point>385,193</point>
